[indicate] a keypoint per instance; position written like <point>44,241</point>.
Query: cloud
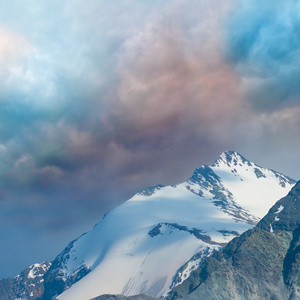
<point>263,45</point>
<point>13,48</point>
<point>106,98</point>
<point>90,88</point>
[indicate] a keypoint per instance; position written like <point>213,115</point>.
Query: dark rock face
<point>291,264</point>
<point>29,284</point>
<point>56,281</point>
<point>55,284</point>
<point>7,289</point>
<point>150,190</point>
<point>263,263</point>
<point>285,214</point>
<point>196,232</point>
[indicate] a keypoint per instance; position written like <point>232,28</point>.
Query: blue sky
<point>99,99</point>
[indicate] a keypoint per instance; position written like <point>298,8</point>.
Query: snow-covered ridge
<point>34,271</point>
<point>38,270</point>
<point>239,175</point>
<point>154,240</point>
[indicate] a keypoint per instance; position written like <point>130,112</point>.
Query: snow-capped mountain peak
<point>236,163</point>
<point>128,252</point>
<point>231,159</point>
<point>254,187</point>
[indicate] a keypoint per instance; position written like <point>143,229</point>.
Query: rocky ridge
<point>29,284</point>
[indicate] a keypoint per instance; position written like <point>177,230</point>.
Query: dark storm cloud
<point>263,44</point>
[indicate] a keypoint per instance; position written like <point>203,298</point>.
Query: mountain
<point>153,242</point>
<point>263,263</point>
<point>29,284</point>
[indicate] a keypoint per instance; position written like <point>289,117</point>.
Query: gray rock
<point>263,263</point>
<point>29,284</point>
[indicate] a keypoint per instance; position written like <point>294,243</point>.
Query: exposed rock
<point>56,281</point>
<point>29,284</point>
<point>263,263</point>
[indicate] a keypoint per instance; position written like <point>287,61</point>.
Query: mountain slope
<point>153,241</point>
<point>263,263</point>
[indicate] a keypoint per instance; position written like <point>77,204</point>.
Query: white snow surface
<point>256,195</point>
<point>126,257</point>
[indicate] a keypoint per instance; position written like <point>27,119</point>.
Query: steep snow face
<point>154,240</point>
<point>254,188</point>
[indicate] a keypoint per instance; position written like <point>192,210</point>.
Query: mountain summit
<point>231,158</point>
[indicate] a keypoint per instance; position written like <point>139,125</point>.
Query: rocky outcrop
<point>56,281</point>
<point>29,284</point>
<point>263,263</point>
